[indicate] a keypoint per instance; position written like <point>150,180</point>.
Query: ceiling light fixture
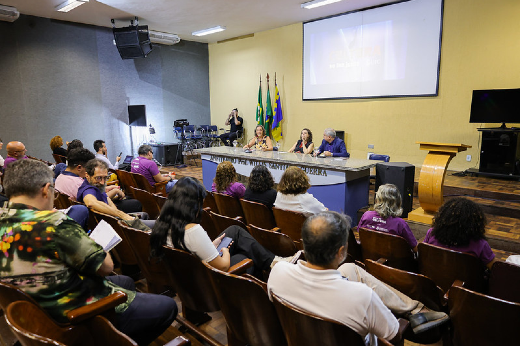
<point>318,3</point>
<point>69,5</point>
<point>209,31</point>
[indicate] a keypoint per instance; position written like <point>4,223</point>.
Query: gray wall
<point>60,78</point>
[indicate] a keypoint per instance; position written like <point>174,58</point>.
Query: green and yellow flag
<point>268,114</point>
<point>259,109</point>
<point>278,117</point>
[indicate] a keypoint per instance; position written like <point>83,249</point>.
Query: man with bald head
<point>15,151</point>
<point>348,294</point>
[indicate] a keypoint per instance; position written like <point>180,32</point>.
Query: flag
<point>268,114</point>
<point>259,109</point>
<point>278,117</point>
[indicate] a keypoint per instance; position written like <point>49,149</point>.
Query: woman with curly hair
<point>260,141</point>
<point>260,188</point>
<point>385,216</point>
<point>226,181</point>
<point>56,143</point>
<point>304,145</point>
<point>293,195</point>
<point>460,225</point>
<point>179,226</point>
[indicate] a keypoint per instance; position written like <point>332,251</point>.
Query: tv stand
<point>500,152</point>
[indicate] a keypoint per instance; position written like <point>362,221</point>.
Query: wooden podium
<point>431,178</point>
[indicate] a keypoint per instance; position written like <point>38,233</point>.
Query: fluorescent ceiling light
<point>209,31</point>
<point>69,5</point>
<point>318,3</point>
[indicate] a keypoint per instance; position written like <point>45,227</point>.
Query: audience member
<point>348,295</point>
<point>260,188</point>
<point>292,193</point>
<point>304,145</point>
<point>1,158</point>
<point>101,154</point>
<point>144,165</point>
<point>49,257</point>
<point>260,141</point>
<point>15,151</point>
<point>460,225</point>
<point>74,144</point>
<point>56,146</point>
<point>226,181</point>
<point>385,216</point>
<point>69,181</point>
<point>179,226</point>
<point>236,129</point>
<point>332,145</point>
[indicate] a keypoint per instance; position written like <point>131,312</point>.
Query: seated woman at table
<point>260,141</point>
<point>293,195</point>
<point>260,188</point>
<point>460,225</point>
<point>179,226</point>
<point>304,145</point>
<point>226,181</point>
<point>385,216</point>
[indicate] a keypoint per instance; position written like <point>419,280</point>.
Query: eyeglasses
<point>56,192</point>
<point>101,178</point>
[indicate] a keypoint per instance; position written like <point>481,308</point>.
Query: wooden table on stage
<point>340,184</point>
<point>431,178</point>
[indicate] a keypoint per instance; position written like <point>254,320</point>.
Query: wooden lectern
<point>431,179</point>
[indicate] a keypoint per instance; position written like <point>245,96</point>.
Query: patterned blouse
<point>261,143</point>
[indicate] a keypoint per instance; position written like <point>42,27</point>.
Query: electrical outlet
<point>468,158</point>
<point>370,146</point>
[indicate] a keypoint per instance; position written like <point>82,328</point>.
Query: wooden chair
<point>444,266</point>
<point>59,158</point>
<point>207,223</point>
<point>250,317</point>
<point>354,252</point>
<point>62,202</point>
<point>126,180</point>
<point>278,243</point>
<point>289,222</point>
<point>209,202</point>
<point>305,328</point>
<point>222,222</point>
<point>160,200</point>
<point>192,283</point>
<point>154,270</point>
<point>481,320</point>
<point>148,202</point>
<point>143,184</point>
<point>397,251</point>
<point>504,281</point>
<point>258,214</point>
<point>227,205</point>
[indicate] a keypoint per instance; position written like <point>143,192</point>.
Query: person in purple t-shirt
<point>385,216</point>
<point>460,225</point>
<point>15,151</point>
<point>226,181</point>
<point>144,165</point>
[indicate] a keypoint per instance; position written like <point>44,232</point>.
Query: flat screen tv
<point>137,115</point>
<point>495,106</point>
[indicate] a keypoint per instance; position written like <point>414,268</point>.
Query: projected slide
<point>387,51</point>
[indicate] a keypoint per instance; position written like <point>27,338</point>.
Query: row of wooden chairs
<point>127,180</point>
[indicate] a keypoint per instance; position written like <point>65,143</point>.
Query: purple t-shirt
<point>145,167</point>
<point>392,225</point>
<point>10,159</point>
<point>87,189</point>
<point>479,248</point>
<point>235,189</point>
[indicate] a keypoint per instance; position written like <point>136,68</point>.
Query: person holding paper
<point>43,251</point>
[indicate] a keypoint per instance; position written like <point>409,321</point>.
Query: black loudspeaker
<point>167,154</point>
<point>133,41</point>
<point>402,175</point>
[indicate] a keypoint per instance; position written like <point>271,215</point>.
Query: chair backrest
<point>379,157</point>
<point>160,199</point>
<point>258,214</point>
<point>444,266</point>
<point>40,329</point>
<point>376,245</point>
<point>415,286</point>
<point>190,280</point>
<point>278,243</point>
<point>144,184</point>
<point>59,158</point>
<point>206,221</point>
<point>479,319</point>
<point>154,270</point>
<point>290,222</point>
<point>250,316</point>
<point>62,202</point>
<point>504,281</point>
<point>209,202</point>
<point>305,328</point>
<point>227,205</point>
<point>222,222</point>
<point>148,202</point>
<point>10,293</point>
<point>126,181</point>
<point>354,252</point>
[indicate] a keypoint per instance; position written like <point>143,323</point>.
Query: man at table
<point>236,128</point>
<point>332,145</point>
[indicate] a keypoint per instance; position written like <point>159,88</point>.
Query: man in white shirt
<point>101,153</point>
<point>348,295</point>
